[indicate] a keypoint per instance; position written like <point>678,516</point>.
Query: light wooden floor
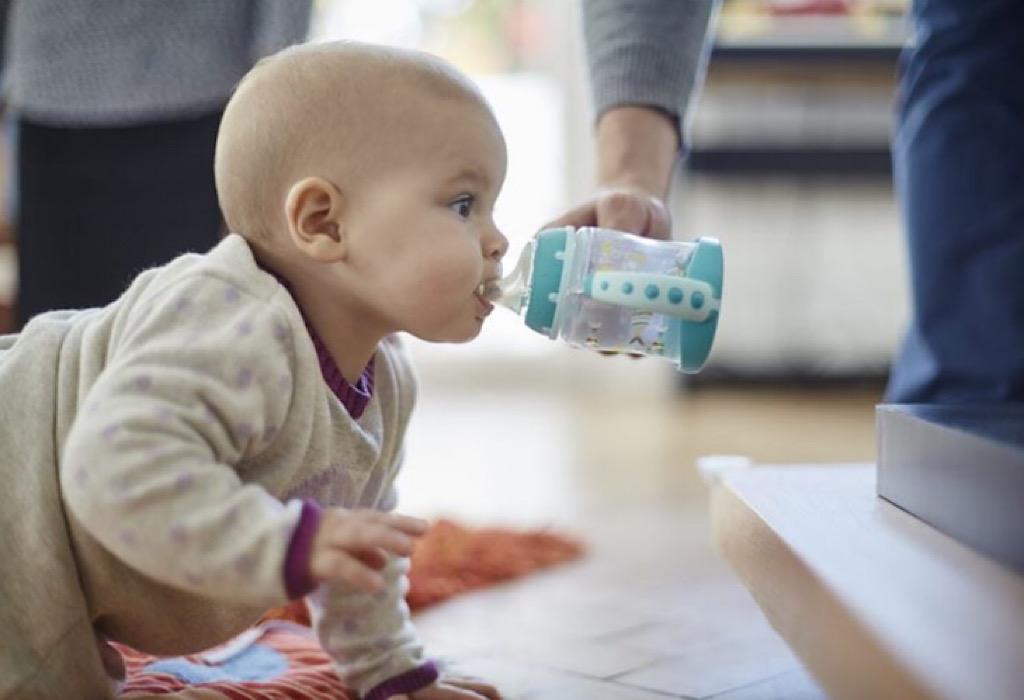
<point>652,611</point>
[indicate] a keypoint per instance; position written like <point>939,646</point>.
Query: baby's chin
<point>463,334</point>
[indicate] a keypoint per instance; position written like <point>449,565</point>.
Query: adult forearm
<point>636,149</point>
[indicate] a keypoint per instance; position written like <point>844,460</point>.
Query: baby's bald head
<point>337,110</point>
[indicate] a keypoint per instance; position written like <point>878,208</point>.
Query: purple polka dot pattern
<point>284,382</point>
<point>182,304</point>
<point>245,564</point>
<point>244,328</point>
<point>269,432</point>
<point>194,579</point>
<point>184,481</point>
<point>164,414</point>
<point>127,538</point>
<point>280,331</point>
<point>178,534</point>
<point>82,477</point>
<point>350,626</point>
<point>231,517</point>
<point>143,383</point>
<point>232,294</point>
<point>244,378</point>
<point>109,432</point>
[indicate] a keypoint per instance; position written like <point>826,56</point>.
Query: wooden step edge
<point>844,655</point>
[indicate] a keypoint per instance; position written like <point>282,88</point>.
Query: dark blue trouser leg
<point>959,167</point>
<point>98,205</point>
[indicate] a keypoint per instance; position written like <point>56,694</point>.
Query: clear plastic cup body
<point>584,319</point>
<point>613,292</point>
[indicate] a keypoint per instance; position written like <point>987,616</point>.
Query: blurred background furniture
<point>789,166</point>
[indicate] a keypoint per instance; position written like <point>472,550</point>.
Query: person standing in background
<point>116,105</point>
<point>958,163</point>
<point>958,160</point>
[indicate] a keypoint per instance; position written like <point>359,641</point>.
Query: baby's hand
<point>455,689</point>
<point>351,545</point>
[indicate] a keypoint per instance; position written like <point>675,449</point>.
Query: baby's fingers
<point>334,565</point>
<point>479,687</point>
<point>360,533</point>
<point>373,558</point>
<point>405,523</point>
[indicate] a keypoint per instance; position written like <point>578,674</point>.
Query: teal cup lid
<point>546,279</point>
<point>696,337</point>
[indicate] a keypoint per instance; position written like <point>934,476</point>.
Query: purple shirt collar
<point>354,397</point>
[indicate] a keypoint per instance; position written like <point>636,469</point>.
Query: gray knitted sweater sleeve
<point>121,62</point>
<point>645,52</point>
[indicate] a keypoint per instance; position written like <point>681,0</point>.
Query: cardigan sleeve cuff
<point>409,682</point>
<point>298,580</point>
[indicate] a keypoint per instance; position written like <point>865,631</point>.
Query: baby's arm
<point>199,378</point>
<point>366,629</point>
<point>369,635</point>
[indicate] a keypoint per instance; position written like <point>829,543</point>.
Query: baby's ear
<point>314,209</point>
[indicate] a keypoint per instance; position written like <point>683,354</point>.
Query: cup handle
<point>671,295</point>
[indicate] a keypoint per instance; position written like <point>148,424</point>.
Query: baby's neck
<point>347,333</point>
<point>349,342</point>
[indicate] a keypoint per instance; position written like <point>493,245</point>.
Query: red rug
<point>279,659</point>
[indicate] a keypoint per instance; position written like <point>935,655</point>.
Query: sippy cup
<point>614,292</point>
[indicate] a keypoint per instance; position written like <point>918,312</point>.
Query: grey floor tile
<point>794,685</point>
<point>704,670</point>
<point>518,680</point>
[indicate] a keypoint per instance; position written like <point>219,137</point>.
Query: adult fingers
<point>623,211</point>
<point>582,215</point>
<point>660,221</point>
<point>634,212</point>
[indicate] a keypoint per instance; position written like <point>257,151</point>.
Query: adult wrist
<point>637,148</point>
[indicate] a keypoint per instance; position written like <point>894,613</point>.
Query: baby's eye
<point>463,206</point>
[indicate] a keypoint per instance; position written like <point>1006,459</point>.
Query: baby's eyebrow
<point>473,175</point>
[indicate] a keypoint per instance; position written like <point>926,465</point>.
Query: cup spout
<point>513,290</point>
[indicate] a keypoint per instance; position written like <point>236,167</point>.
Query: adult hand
<point>636,151</point>
<point>622,208</point>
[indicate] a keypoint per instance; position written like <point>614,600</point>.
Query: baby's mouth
<point>489,290</point>
<point>484,305</point>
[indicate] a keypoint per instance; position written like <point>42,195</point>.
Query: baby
<point>225,437</point>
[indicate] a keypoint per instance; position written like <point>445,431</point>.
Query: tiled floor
<point>652,611</point>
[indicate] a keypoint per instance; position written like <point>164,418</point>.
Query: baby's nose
<point>499,246</point>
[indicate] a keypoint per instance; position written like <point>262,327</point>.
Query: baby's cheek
<point>445,278</point>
